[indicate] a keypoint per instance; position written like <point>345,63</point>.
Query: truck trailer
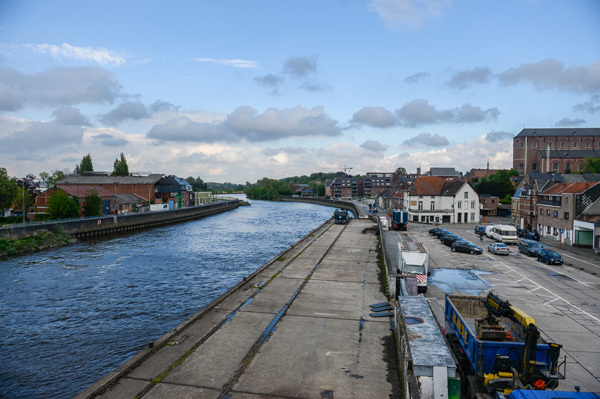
<point>399,220</point>
<point>413,260</point>
<point>498,348</point>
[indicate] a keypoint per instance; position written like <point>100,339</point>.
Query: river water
<point>70,315</point>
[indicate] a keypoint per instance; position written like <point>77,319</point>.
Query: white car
<point>499,248</point>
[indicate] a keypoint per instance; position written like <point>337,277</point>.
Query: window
<point>472,217</point>
<point>420,205</point>
<point>555,214</point>
<point>535,144</point>
<point>521,168</point>
<point>466,194</point>
<point>534,167</point>
<point>472,204</point>
<point>432,206</point>
<point>547,212</point>
<point>566,215</point>
<point>574,144</point>
<point>562,144</point>
<point>521,145</point>
<point>459,204</point>
<point>555,167</point>
<point>568,167</point>
<point>550,145</point>
<point>587,144</point>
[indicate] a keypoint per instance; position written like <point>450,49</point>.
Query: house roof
<point>427,185</point>
<point>443,172</point>
<point>517,193</point>
<point>568,188</point>
<point>105,179</point>
<point>82,191</point>
<point>450,188</point>
<point>129,199</point>
<point>593,209</point>
<point>569,154</point>
<point>560,132</point>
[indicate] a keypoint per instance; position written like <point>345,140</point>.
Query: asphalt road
<point>563,300</point>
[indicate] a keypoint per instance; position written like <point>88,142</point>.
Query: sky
<point>237,90</point>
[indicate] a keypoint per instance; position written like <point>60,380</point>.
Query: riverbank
<point>34,243</point>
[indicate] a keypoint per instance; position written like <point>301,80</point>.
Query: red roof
<point>568,188</point>
<point>82,191</point>
<point>427,185</point>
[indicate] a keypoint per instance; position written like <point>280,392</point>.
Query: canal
<point>70,315</point>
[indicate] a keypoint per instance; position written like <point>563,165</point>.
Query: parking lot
<point>564,300</point>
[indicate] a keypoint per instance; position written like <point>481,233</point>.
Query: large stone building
<point>554,150</point>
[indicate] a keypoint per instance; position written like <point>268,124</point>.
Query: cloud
<point>71,117</point>
<point>494,137</point>
<point>566,122</point>
<point>312,87</point>
<point>56,87</point>
<point>160,106</point>
<point>427,140</point>
<point>417,77</point>
<point>110,141</point>
<point>464,79</point>
<point>420,112</point>
<point>551,74</point>
<point>300,66</point>
<point>591,106</point>
<point>372,145</point>
<point>245,123</point>
<point>269,81</point>
<point>41,136</point>
<point>234,63</point>
<point>375,117</point>
<point>125,111</point>
<point>100,56</point>
<point>409,14</point>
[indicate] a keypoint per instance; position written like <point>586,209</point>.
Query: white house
<point>432,199</point>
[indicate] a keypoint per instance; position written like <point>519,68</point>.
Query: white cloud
<point>233,63</point>
<point>100,56</point>
<point>409,14</point>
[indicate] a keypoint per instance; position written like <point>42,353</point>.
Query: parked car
<point>532,235</point>
<point>439,233</point>
<point>499,248</point>
<point>480,230</point>
<point>521,232</point>
<point>448,239</point>
<point>435,230</point>
<point>488,230</point>
<point>529,247</point>
<point>549,256</point>
<point>466,246</point>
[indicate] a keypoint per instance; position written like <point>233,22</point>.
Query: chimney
<point>418,171</point>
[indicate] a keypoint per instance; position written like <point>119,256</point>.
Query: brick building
<point>556,150</point>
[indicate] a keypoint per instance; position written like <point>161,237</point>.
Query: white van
<point>505,233</point>
<point>488,231</point>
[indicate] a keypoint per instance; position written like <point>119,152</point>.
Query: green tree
<point>51,178</point>
<point>8,190</point>
<point>93,204</point>
<point>400,171</point>
<point>85,165</point>
<point>498,184</point>
<point>197,183</point>
<point>62,206</point>
<point>120,167</point>
<point>591,165</point>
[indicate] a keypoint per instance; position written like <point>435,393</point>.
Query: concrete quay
<point>300,327</point>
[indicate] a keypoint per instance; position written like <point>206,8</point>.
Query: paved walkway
<point>299,329</point>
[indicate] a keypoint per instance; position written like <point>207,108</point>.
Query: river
<point>70,315</point>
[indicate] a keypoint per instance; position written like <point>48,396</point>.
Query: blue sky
<point>239,90</point>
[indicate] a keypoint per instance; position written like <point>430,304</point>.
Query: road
<point>563,300</point>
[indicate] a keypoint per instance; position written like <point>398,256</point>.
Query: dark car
<point>529,247</point>
<point>448,239</point>
<point>532,235</point>
<point>549,256</point>
<point>466,246</point>
<point>521,232</point>
<point>480,230</point>
<point>439,233</point>
<point>434,230</point>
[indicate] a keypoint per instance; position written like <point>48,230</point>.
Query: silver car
<point>499,248</point>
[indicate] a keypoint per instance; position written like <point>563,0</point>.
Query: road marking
<point>557,297</point>
<point>582,261</point>
<point>554,270</point>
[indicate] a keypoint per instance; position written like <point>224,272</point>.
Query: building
<point>489,205</point>
<point>346,187</point>
<point>148,187</point>
<point>587,226</point>
<point>375,183</point>
<point>559,205</point>
<point>446,173</point>
<point>109,199</point>
<point>433,199</point>
<point>557,150</point>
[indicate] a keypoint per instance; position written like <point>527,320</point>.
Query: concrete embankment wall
<point>117,223</point>
<point>322,201</point>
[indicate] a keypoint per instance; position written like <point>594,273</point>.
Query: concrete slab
<point>127,388</point>
<point>274,295</point>
<point>307,356</point>
<point>213,363</point>
<point>330,298</point>
<point>166,391</point>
